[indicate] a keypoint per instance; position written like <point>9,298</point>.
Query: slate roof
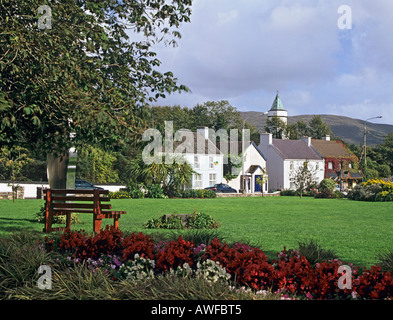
<point>295,149</point>
<point>332,149</point>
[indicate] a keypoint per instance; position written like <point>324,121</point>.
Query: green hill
<point>348,129</point>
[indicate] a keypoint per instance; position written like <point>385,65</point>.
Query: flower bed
<point>137,256</point>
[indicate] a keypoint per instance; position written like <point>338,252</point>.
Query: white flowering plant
<point>137,269</point>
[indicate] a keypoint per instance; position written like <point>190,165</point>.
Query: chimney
<point>266,139</point>
<point>326,138</point>
<point>307,140</point>
<point>204,131</point>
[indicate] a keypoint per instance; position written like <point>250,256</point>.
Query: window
<point>350,165</point>
<point>211,163</point>
<point>212,179</point>
<point>330,165</point>
<point>196,162</point>
<point>291,166</point>
<point>197,180</point>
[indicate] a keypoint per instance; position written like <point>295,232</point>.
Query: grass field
<point>355,231</point>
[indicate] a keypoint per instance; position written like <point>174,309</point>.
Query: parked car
<point>220,187</point>
<point>82,184</point>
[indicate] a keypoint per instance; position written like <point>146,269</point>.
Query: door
<point>258,187</point>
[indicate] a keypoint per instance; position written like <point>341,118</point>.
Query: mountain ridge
<point>350,130</point>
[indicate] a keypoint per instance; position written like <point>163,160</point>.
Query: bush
<point>120,195</point>
<point>314,253</point>
<point>289,192</point>
<point>326,184</point>
<point>199,193</point>
<point>386,261</point>
<point>196,220</point>
<point>328,194</point>
<point>155,191</point>
<point>372,190</point>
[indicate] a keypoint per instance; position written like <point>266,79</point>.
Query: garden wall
<point>31,188</point>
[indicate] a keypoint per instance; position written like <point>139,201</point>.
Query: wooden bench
<point>66,201</point>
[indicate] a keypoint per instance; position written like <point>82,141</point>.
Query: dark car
<point>82,184</point>
<point>220,187</point>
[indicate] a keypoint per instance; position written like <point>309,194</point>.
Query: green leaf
<point>27,110</point>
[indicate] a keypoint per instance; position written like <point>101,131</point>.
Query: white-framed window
<point>330,165</point>
<point>212,178</point>
<point>291,165</point>
<point>211,163</point>
<point>350,165</point>
<point>197,180</point>
<point>196,162</point>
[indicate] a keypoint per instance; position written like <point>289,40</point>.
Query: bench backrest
<point>77,200</point>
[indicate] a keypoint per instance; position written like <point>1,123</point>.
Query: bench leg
<point>48,221</point>
<point>96,224</point>
<point>68,221</point>
<point>116,222</point>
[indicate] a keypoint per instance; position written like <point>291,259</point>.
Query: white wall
<point>274,163</point>
<point>30,188</point>
<point>204,170</point>
<point>251,157</point>
<point>315,165</point>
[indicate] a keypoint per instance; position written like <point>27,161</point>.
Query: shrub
<point>288,192</point>
<point>199,193</point>
<point>175,254</point>
<point>196,220</point>
<point>108,241</point>
<point>386,261</point>
<point>138,243</point>
<point>155,191</point>
<point>372,190</point>
<point>120,194</point>
<point>164,222</point>
<point>200,220</point>
<point>314,253</point>
<point>326,184</point>
<point>249,267</point>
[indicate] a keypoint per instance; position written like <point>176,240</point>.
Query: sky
<point>321,59</point>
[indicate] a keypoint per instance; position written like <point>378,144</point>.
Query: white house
<point>202,154</point>
<point>254,166</point>
<point>283,157</point>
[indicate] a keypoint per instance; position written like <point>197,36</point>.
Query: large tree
<point>81,76</point>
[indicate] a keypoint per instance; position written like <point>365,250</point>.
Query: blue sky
<point>244,51</point>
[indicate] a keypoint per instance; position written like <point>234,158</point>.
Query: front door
<point>258,187</point>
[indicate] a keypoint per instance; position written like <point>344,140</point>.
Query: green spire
<point>277,104</point>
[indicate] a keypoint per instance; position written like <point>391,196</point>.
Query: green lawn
<point>356,231</point>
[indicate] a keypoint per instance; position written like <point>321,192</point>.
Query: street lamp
<point>365,139</point>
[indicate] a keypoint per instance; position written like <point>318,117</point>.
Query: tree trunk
<point>56,167</point>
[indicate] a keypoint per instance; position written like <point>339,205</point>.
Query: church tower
<point>277,110</point>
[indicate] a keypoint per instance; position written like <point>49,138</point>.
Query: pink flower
<point>309,295</point>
